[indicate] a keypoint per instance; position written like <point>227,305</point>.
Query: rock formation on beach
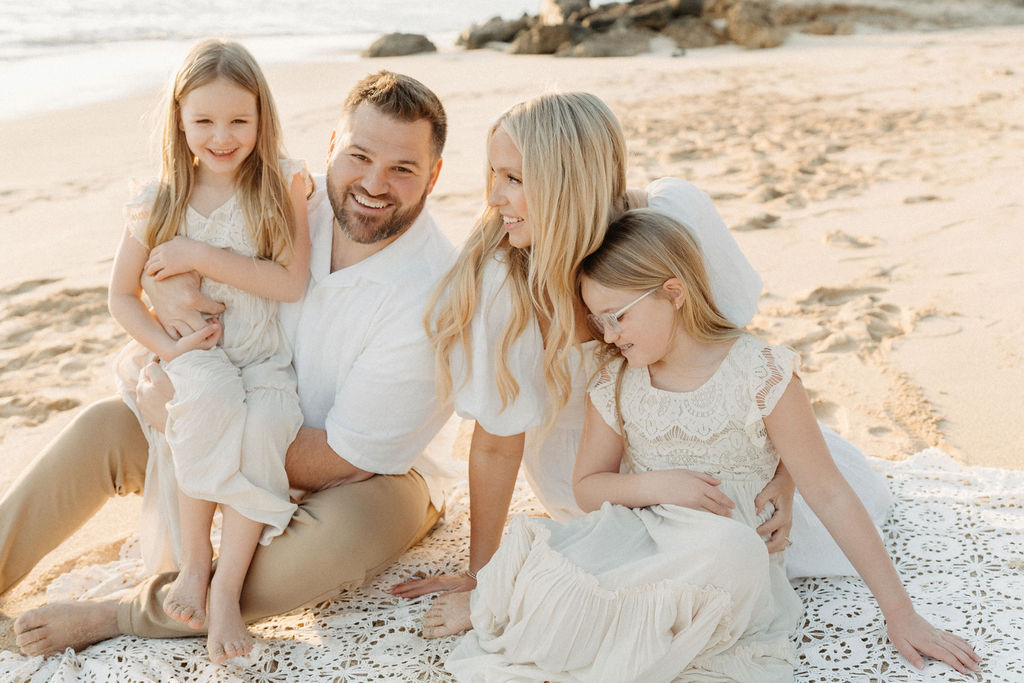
<point>573,28</point>
<point>399,45</point>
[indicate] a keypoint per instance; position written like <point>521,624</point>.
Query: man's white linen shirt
<point>364,365</point>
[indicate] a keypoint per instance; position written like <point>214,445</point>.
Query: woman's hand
<point>779,492</point>
<point>913,636</point>
<point>174,257</point>
<point>695,490</point>
<point>446,583</point>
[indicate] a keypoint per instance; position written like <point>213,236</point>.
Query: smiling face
<point>220,120</point>
<point>649,327</point>
<point>507,193</point>
<point>379,172</point>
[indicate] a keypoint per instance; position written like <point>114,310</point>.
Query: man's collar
<point>379,267</point>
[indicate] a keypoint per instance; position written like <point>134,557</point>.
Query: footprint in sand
<point>835,296</point>
<point>762,222</point>
<point>851,319</point>
<point>53,345</point>
<point>921,198</point>
<point>838,238</point>
<point>26,286</point>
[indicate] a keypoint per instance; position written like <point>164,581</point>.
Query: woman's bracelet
<point>470,574</point>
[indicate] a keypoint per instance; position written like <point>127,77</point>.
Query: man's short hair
<point>404,98</point>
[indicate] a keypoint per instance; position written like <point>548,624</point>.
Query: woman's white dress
<point>548,458</point>
<point>651,594</point>
<point>235,409</point>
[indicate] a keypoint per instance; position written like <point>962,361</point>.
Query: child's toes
<point>238,648</point>
<point>195,620</point>
<point>216,653</point>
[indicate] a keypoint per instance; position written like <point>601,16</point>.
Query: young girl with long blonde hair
<point>228,207</point>
<point>509,330</point>
<point>649,586</point>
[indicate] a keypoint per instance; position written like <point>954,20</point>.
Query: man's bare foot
<point>448,616</point>
<point>53,628</point>
<point>228,637</point>
<point>186,598</point>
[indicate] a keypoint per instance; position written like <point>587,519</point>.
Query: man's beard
<point>366,230</point>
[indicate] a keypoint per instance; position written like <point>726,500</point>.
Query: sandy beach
<point>872,179</point>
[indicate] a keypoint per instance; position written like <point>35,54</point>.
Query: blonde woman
<point>511,336</point>
<point>681,391</point>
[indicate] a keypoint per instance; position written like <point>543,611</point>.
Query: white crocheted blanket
<point>956,534</point>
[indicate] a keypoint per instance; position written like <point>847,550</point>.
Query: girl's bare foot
<point>448,616</point>
<point>186,598</point>
<point>228,637</point>
<point>77,625</point>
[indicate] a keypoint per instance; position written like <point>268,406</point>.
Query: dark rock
<point>819,27</point>
<point>749,23</point>
<point>604,17</point>
<point>398,44</point>
<point>691,32</point>
<point>657,14</point>
<point>619,42</point>
<point>652,15</point>
<point>689,8</point>
<point>716,9</point>
<point>493,30</point>
<point>844,27</point>
<point>555,12</point>
<point>541,40</point>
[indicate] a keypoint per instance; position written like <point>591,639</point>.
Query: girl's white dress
<point>235,409</point>
<point>548,457</point>
<point>651,594</point>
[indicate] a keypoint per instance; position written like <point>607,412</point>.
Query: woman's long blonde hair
<point>263,191</point>
<point>574,179</point>
<point>642,249</point>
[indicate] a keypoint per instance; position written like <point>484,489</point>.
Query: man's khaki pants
<point>338,538</point>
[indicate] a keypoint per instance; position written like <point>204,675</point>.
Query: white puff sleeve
<point>139,208</point>
<point>296,167</point>
<point>602,394</point>
<point>735,284</point>
<point>476,397</point>
<point>772,369</point>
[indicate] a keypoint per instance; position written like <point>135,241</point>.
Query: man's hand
<point>178,304</point>
<point>152,393</point>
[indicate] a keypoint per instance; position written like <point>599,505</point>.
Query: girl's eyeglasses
<point>609,322</point>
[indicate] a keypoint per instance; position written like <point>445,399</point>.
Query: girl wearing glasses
<point>512,339</point>
<point>648,586</point>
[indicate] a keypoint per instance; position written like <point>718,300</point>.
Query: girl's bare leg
<point>186,598</point>
<point>228,636</point>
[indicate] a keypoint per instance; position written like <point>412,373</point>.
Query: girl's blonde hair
<point>642,249</point>
<point>263,191</point>
<point>574,180</point>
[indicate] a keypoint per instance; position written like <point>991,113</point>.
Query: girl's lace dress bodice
<point>717,428</point>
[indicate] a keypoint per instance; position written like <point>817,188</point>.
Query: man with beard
<point>365,373</point>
